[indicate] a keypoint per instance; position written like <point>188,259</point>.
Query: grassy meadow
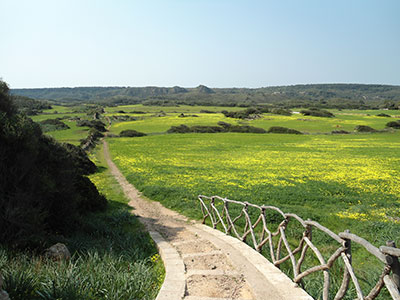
<point>151,123</point>
<point>347,181</point>
<point>342,181</point>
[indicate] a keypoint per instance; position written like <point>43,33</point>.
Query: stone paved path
<point>200,264</point>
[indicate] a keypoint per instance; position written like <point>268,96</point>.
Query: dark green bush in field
<point>179,129</point>
<point>317,113</point>
<point>279,129</point>
<point>97,124</point>
<point>393,124</point>
<point>223,127</point>
<point>364,128</point>
<point>340,132</point>
<point>131,133</point>
<point>281,111</point>
<point>80,159</point>
<point>52,124</point>
<point>383,115</point>
<point>245,114</point>
<point>246,129</point>
<point>42,191</point>
<point>206,129</point>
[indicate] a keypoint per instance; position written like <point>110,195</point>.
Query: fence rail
<point>216,209</point>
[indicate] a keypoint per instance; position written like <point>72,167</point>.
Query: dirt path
<point>214,269</point>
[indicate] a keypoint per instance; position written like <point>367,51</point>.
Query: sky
<point>218,43</point>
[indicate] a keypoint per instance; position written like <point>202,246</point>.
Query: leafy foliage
<point>131,133</point>
<point>393,124</point>
<point>279,129</point>
<point>41,189</point>
<point>317,113</point>
<point>52,125</point>
<point>97,124</point>
<point>29,106</point>
<point>364,128</point>
<point>224,127</point>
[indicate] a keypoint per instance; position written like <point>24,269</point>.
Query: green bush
<point>364,128</point>
<point>317,113</point>
<point>179,129</point>
<point>281,111</point>
<point>340,132</point>
<point>383,115</point>
<point>52,125</point>
<point>42,191</point>
<point>97,124</point>
<point>206,129</point>
<point>279,129</point>
<point>131,133</point>
<point>246,129</point>
<point>223,127</point>
<point>394,124</point>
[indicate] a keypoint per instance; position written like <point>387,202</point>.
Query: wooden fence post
<point>393,262</point>
<point>346,274</point>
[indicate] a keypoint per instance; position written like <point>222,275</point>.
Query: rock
<point>4,295</point>
<point>58,252</point>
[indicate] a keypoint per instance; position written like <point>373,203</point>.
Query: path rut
<point>212,268</point>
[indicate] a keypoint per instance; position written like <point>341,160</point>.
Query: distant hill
<point>323,95</point>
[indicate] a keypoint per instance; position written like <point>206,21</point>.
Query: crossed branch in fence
<point>262,237</point>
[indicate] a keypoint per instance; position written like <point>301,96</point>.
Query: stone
<point>4,295</point>
<point>58,252</point>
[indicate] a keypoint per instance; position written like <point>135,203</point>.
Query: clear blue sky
<point>218,43</point>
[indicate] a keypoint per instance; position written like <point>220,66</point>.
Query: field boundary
<point>216,210</point>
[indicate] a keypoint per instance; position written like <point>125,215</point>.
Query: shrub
<point>97,124</point>
<point>246,129</point>
<point>206,129</point>
<point>223,127</point>
<point>131,133</point>
<point>364,128</point>
<point>383,115</point>
<point>340,132</point>
<point>139,112</point>
<point>243,114</point>
<point>281,111</point>
<point>394,124</point>
<point>279,129</point>
<point>80,159</point>
<point>52,125</point>
<point>317,113</point>
<point>179,129</point>
<point>42,191</point>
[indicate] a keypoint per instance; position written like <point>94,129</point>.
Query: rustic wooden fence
<point>217,210</point>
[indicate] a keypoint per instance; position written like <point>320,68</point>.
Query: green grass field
<point>348,181</point>
<point>347,121</point>
<point>342,182</point>
<point>74,134</point>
